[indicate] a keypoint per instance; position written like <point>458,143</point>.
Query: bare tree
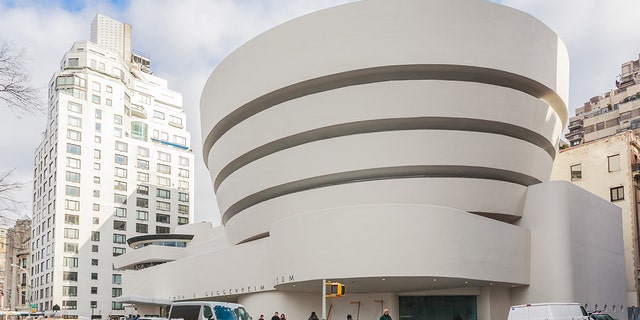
<point>15,92</point>
<point>7,192</point>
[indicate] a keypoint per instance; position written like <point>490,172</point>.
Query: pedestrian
<point>136,317</point>
<point>385,315</point>
<point>282,317</point>
<point>349,317</point>
<point>275,316</point>
<point>313,316</point>
<point>261,317</point>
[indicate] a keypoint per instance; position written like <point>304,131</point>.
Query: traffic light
<point>335,289</point>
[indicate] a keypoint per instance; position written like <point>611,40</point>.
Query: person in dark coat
<point>385,315</point>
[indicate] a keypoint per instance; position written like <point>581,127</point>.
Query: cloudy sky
<point>186,39</point>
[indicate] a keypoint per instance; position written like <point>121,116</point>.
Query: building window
<point>142,215</point>
<point>183,196</point>
<point>143,177</point>
<point>96,193</point>
<point>183,220</point>
<point>162,218</point>
<point>162,193</point>
<point>140,131</point>
<point>119,238</point>
<point>95,235</point>
<point>120,212</point>
<point>74,107</point>
<point>142,202</point>
<point>119,185</point>
<point>142,189</point>
<point>117,305</point>
<point>163,156</point>
<point>71,233</point>
<point>72,205</point>
<point>94,262</point>
<point>95,99</point>
<point>73,163</point>
<point>95,248</point>
<point>184,209</point>
<point>73,62</point>
<point>143,164</point>
<point>164,181</point>
<point>69,262</point>
<point>72,191</point>
<point>143,152</point>
<point>163,206</point>
<point>121,146</point>
<point>599,126</point>
<point>94,290</point>
<point>142,228</point>
<point>617,193</point>
<point>69,305</point>
<point>72,176</point>
<point>71,219</point>
<point>183,185</point>
<point>175,121</point>
<point>120,159</point>
<point>164,168</point>
<point>120,172</point>
<point>70,276</point>
<point>119,225</point>
<point>158,115</point>
<point>94,304</point>
<point>183,173</point>
<point>94,276</point>
<point>96,220</point>
<point>96,179</point>
<point>120,198</point>
<point>614,163</point>
<point>184,161</point>
<point>74,135</point>
<point>70,247</point>
<point>74,149</point>
<point>116,278</point>
<point>74,121</point>
<point>118,251</point>
<point>162,230</point>
<point>180,140</point>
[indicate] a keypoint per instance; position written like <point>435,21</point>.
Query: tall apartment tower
<point>612,112</point>
<point>115,163</point>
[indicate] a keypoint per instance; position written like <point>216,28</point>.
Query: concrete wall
<point>577,251</point>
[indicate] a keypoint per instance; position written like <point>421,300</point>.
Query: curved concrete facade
<point>402,148</point>
<point>350,100</point>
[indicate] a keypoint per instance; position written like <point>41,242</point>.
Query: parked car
<point>208,310</point>
<point>548,311</point>
<point>600,316</point>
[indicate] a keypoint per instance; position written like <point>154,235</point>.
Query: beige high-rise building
<point>612,112</point>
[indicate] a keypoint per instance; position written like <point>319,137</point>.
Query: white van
<point>207,310</point>
<point>551,311</point>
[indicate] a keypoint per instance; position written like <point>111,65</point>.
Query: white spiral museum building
<point>404,149</point>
